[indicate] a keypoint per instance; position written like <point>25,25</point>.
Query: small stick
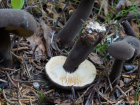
<point>20,48</point>
<point>11,79</point>
<point>6,98</point>
<point>117,87</point>
<point>7,69</point>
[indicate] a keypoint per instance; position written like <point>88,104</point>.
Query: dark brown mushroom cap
<point>133,41</point>
<point>18,22</point>
<point>124,48</point>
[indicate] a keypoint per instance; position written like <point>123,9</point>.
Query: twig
<point>19,95</point>
<point>98,95</point>
<point>87,102</point>
<point>73,94</point>
<point>24,65</point>
<point>1,80</point>
<point>11,80</point>
<point>20,48</point>
<point>6,98</point>
<point>34,51</point>
<point>109,101</point>
<point>61,14</point>
<point>7,69</point>
<point>117,87</point>
<point>30,101</point>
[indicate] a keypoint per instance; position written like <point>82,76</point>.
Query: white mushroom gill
<point>85,73</point>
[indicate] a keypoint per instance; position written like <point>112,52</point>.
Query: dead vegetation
<point>26,82</point>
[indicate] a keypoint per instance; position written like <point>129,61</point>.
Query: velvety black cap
<point>18,22</point>
<point>124,48</point>
<point>133,41</point>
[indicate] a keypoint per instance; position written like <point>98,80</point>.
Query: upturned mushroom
<point>124,48</point>
<point>17,22</point>
<point>75,70</point>
<point>74,24</point>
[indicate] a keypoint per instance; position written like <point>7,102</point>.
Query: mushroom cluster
<point>75,70</point>
<point>17,22</point>
<point>124,48</point>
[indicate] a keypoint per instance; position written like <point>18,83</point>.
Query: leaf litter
<point>34,52</point>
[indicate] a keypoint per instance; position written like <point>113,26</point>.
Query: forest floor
<point>26,82</point>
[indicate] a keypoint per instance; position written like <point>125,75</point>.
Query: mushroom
<point>17,22</point>
<point>124,48</point>
<point>75,70</point>
<point>74,24</point>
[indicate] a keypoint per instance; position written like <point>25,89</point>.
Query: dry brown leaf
<point>52,14</point>
<point>40,43</point>
<point>135,2</point>
<point>95,58</point>
<point>126,80</point>
<point>132,100</point>
<point>135,28</point>
<point>48,32</point>
<point>121,33</point>
<point>139,97</point>
<point>121,83</point>
<point>105,6</point>
<point>40,50</point>
<point>80,101</point>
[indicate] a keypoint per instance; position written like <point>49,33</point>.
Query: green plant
<point>0,89</point>
<point>101,49</point>
<point>5,103</point>
<point>136,97</point>
<point>43,82</point>
<point>17,4</point>
<point>42,96</point>
<point>11,92</point>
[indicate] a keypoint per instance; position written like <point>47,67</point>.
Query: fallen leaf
<point>40,50</point>
<point>52,14</point>
<point>121,83</point>
<point>135,2</point>
<point>104,6</point>
<point>95,58</point>
<point>139,97</point>
<point>132,100</point>
<point>48,33</point>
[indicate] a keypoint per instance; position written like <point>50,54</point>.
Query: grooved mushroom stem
<point>5,49</point>
<point>74,24</point>
<point>80,52</point>
<point>116,71</point>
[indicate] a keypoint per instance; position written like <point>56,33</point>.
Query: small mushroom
<point>75,70</point>
<point>124,48</point>
<point>74,24</point>
<point>17,22</point>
